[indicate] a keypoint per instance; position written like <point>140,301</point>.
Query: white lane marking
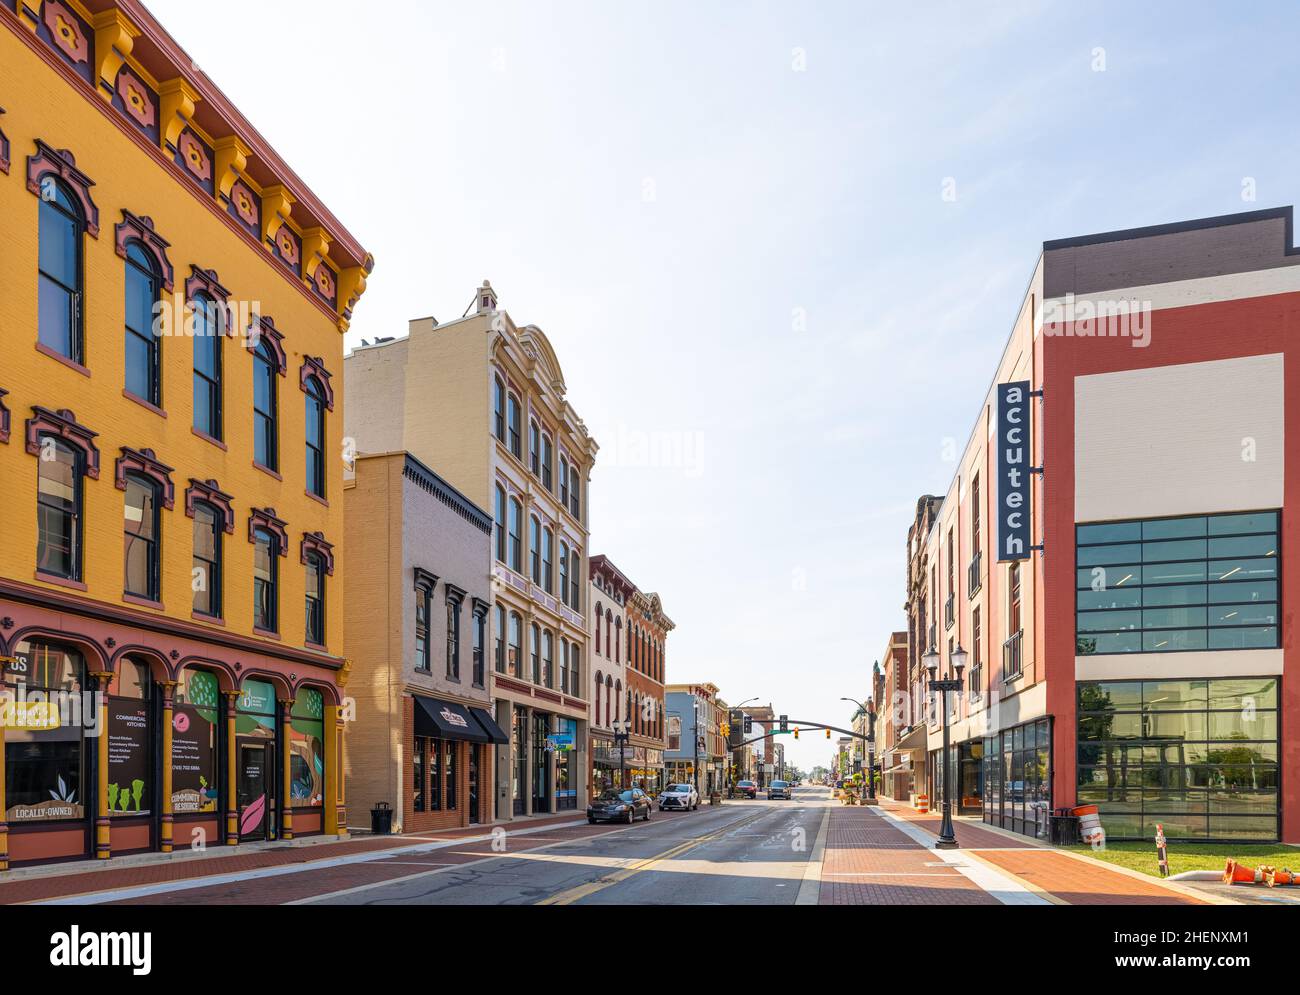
<point>811,888</point>
<point>1006,890</point>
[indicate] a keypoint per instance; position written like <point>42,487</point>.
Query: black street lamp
<point>622,732</point>
<point>871,743</point>
<point>947,838</point>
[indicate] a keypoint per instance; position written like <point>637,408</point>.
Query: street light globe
<point>959,656</point>
<point>930,661</point>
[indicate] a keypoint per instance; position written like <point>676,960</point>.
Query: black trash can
<point>381,819</point>
<point>1064,830</point>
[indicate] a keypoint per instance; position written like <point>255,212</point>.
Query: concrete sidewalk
<point>82,877</point>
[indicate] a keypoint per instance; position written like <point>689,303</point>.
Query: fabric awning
<point>441,719</point>
<point>494,732</point>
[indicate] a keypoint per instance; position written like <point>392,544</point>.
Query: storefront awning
<point>442,719</point>
<point>489,724</point>
<point>914,740</point>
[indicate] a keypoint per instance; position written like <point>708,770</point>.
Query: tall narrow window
<point>140,534</point>
<point>265,441</point>
<point>315,439</point>
<point>499,639</point>
<point>480,623</point>
<point>58,509</point>
<point>315,602</point>
<point>516,645</point>
<point>548,658</point>
<point>535,549</point>
<point>599,612</point>
<point>548,458</point>
<point>499,409</point>
<point>453,639</point>
<point>143,378</point>
<point>573,493</point>
<point>534,448</point>
<point>575,591</point>
<point>564,572</point>
<point>265,570</point>
<point>564,482</point>
<point>512,418</point>
<point>60,290</point>
<point>575,669</point>
<point>422,661</point>
<point>516,538</point>
<point>1014,622</point>
<point>500,527</point>
<point>975,514</point>
<point>548,561</point>
<point>207,366</point>
<point>534,651</point>
<point>205,576</point>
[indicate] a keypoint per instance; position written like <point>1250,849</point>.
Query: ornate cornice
<point>205,281</point>
<point>145,463</point>
<point>265,518</point>
<point>208,491</point>
<point>140,229</point>
<point>314,542</point>
<point>47,163</point>
<point>425,579</point>
<point>64,425</point>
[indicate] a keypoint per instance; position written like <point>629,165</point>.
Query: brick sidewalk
<point>870,862</point>
<point>84,877</point>
<point>1067,879</point>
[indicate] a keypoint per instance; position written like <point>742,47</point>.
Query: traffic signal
<point>796,732</point>
<point>828,734</point>
<point>783,724</point>
<point>749,724</point>
<point>734,736</point>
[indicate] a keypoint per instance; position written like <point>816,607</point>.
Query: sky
<point>777,246</point>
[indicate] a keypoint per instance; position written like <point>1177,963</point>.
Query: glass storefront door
<point>519,759</point>
<point>541,763</point>
<point>256,789</point>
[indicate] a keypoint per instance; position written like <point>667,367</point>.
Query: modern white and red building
<point>1119,555</point>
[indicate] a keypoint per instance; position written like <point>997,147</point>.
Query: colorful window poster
<point>255,710</point>
<point>194,743</point>
<point>129,790</point>
<point>44,764</point>
<point>307,750</point>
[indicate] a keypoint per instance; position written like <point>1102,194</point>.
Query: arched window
<point>575,669</point>
<point>618,636</point>
<point>205,576</point>
<point>618,700</point>
<point>609,628</point>
<point>266,449</point>
<point>609,693</point>
<point>512,416</point>
<point>548,561</point>
<point>564,572</point>
<point>548,458</point>
<point>45,773</point>
<point>573,493</point>
<point>130,720</point>
<point>548,658</point>
<point>206,327</point>
<point>534,447</point>
<point>535,549</point>
<point>575,599</point>
<point>60,272</point>
<point>596,703</point>
<point>315,438</point>
<point>59,485</point>
<point>534,651</point>
<point>516,645</point>
<point>564,482</point>
<point>499,409</point>
<point>315,600</point>
<point>516,538</point>
<point>500,509</point>
<point>599,613</point>
<point>143,377</point>
<point>140,536</point>
<point>265,569</point>
<point>499,639</point>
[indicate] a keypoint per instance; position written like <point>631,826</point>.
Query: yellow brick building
<point>180,601</point>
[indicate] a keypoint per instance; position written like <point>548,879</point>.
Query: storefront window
<point>44,752</point>
<point>566,772</point>
<point>421,746</point>
<point>1198,757</point>
<point>130,740</point>
<point>195,721</point>
<point>307,749</point>
<point>435,775</point>
<point>1017,783</point>
<point>450,746</point>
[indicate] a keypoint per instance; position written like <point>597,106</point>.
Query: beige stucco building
<point>482,402</point>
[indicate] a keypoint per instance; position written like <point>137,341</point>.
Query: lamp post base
<point>946,845</point>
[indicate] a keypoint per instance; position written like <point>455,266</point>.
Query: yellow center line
<point>608,880</point>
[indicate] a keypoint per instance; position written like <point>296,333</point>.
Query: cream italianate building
<point>481,401</point>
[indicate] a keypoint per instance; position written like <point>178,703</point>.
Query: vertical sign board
<point>1013,471</point>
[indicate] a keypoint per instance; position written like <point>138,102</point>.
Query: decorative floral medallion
<point>136,99</point>
<point>195,157</point>
<point>325,281</point>
<point>287,244</point>
<point>66,31</point>
<point>244,202</point>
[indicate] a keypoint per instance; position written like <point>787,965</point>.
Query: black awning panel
<point>494,732</point>
<point>441,719</point>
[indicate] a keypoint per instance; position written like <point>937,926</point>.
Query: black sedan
<point>620,806</point>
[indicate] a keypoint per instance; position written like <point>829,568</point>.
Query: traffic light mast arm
<point>814,725</point>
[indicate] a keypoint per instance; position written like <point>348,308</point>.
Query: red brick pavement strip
<point>1073,881</point>
<point>326,880</point>
<point>869,862</point>
<point>134,875</point>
